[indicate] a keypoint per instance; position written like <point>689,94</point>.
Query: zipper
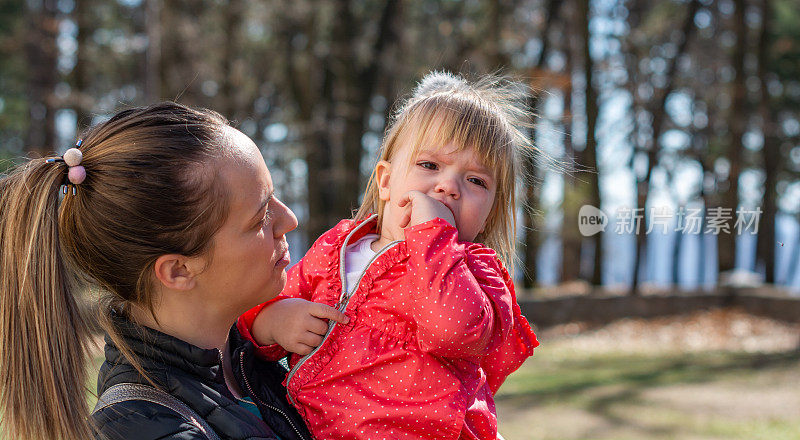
<point>255,396</point>
<point>344,297</point>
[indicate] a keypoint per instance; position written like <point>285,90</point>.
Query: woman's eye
<point>477,181</point>
<point>427,165</point>
<point>265,220</point>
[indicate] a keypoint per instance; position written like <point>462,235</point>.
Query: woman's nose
<point>448,186</point>
<point>285,220</point>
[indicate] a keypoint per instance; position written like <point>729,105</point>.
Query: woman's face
<point>249,253</point>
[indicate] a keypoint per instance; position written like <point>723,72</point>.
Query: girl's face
<point>458,179</point>
<point>249,254</point>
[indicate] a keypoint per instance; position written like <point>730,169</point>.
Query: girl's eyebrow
<point>475,166</point>
<point>481,169</point>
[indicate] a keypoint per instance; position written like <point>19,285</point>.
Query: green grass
<point>563,394</point>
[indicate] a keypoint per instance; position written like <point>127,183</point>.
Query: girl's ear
<point>175,271</point>
<point>382,172</point>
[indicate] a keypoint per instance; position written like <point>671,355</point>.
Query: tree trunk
<point>676,258</point>
<point>333,94</point>
<point>41,54</point>
<point>80,96</point>
<point>590,152</point>
<point>770,153</point>
<point>152,80</point>
<point>357,86</point>
<point>231,79</point>
<point>532,231</point>
<point>726,246</point>
<point>794,261</point>
<point>704,159</point>
<point>571,238</point>
<point>659,118</point>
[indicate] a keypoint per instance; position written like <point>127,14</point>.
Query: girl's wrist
<point>260,330</point>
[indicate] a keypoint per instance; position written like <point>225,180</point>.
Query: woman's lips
<point>284,260</point>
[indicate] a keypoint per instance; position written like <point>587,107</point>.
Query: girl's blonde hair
<point>151,189</point>
<point>488,116</point>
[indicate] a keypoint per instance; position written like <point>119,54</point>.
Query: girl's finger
<point>408,198</point>
<point>317,326</point>
<point>324,311</point>
<point>302,349</point>
<point>405,219</point>
<point>310,339</point>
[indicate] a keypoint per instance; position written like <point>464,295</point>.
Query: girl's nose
<point>447,186</point>
<point>285,219</point>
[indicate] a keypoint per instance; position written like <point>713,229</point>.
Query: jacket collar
<point>354,230</point>
<point>156,351</point>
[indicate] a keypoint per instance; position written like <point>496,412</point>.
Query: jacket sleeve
<point>505,355</point>
<point>462,304</point>
<point>298,285</point>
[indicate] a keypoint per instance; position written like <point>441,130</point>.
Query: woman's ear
<point>382,172</point>
<point>176,272</point>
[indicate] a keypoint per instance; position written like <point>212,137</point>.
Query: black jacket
<point>194,376</point>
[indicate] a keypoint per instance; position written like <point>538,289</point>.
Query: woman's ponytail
<point>147,192</point>
<point>43,334</point>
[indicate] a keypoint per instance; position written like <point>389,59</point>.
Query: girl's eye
<point>477,181</point>
<point>427,165</point>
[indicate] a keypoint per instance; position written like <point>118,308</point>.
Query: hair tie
<point>76,173</point>
<point>72,157</point>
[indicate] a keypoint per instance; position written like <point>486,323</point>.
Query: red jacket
<point>434,330</point>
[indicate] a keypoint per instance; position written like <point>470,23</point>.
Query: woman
<point>171,212</point>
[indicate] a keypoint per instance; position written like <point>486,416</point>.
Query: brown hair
<point>488,116</point>
<point>150,190</point>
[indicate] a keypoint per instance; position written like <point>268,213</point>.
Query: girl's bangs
<point>436,123</point>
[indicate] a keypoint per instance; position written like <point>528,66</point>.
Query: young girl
<point>432,324</point>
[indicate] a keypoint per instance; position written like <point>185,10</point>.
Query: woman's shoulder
<point>143,420</point>
<point>149,420</point>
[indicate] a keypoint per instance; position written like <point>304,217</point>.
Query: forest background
<point>679,119</point>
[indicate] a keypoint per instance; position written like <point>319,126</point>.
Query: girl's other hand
<point>421,208</point>
<point>297,325</point>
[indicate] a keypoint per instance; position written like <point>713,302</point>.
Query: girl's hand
<point>420,208</point>
<point>295,324</point>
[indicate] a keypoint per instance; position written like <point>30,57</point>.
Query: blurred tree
<point>770,151</point>
<point>231,77</point>
<point>14,112</point>
<point>152,62</point>
<point>334,59</point>
<point>571,238</point>
<point>81,99</point>
<point>590,150</point>
<point>652,145</point>
<point>312,82</point>
<point>41,55</point>
<point>532,218</point>
<point>738,120</point>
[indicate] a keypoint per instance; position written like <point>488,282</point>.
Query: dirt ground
<point>719,374</point>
